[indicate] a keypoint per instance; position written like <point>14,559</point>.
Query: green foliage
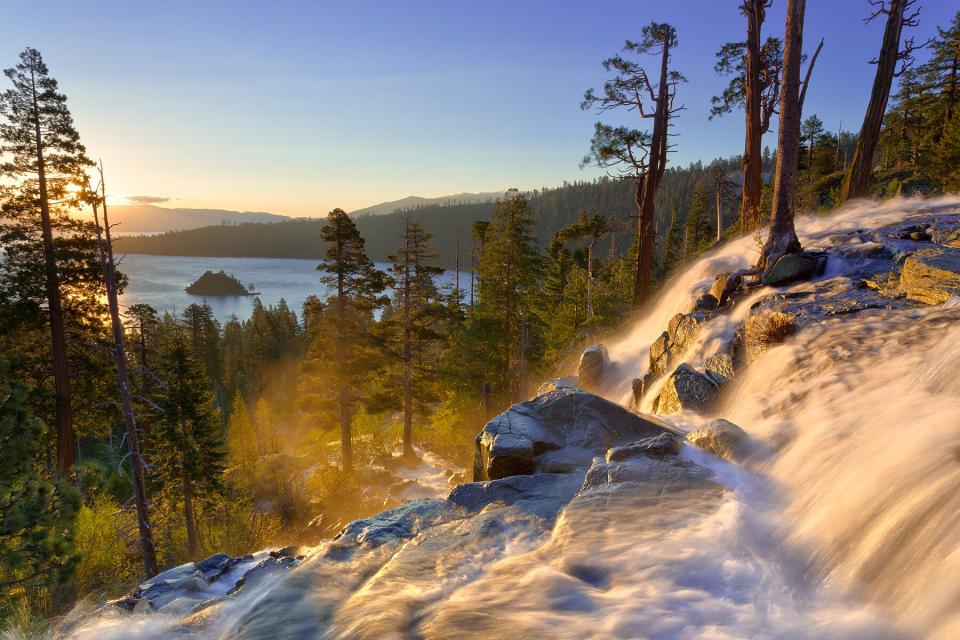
<point>107,543</point>
<point>698,232</point>
<point>36,513</point>
<point>188,457</point>
<point>921,129</point>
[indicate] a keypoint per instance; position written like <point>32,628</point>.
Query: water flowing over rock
<point>556,431</point>
<point>806,513</point>
<point>724,439</point>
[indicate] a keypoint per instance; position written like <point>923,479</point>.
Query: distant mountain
<point>415,202</point>
<point>148,218</point>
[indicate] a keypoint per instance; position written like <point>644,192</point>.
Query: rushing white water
<point>847,528</point>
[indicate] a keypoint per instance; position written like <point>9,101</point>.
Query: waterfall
<point>846,525</point>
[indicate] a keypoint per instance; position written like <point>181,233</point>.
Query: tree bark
<point>108,266</point>
<point>719,214</point>
<point>657,163</point>
<point>857,181</point>
<point>752,165</point>
<point>407,351</point>
<point>593,242</point>
<point>783,236</point>
<point>58,335</point>
<point>343,393</point>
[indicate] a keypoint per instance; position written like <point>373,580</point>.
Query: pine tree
<point>509,271</point>
<point>593,228</point>
<point>189,452</point>
<point>43,156</point>
<point>672,245</point>
<point>36,513</point>
<point>418,311</point>
<point>698,230</point>
<point>203,331</point>
<point>341,352</point>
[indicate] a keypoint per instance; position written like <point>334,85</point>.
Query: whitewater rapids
<point>849,526</point>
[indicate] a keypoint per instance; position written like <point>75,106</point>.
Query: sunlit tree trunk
<point>857,181</point>
<point>147,548</point>
<point>783,236</point>
<point>58,335</point>
<point>752,165</point>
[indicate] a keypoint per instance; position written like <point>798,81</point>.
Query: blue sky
<point>299,107</point>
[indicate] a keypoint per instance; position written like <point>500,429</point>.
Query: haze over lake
<point>160,281</point>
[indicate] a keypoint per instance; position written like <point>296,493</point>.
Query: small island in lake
<point>219,284</point>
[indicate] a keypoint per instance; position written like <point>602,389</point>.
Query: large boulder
<point>669,347</point>
<point>792,266</point>
<point>560,430</point>
<point>720,367</point>
<point>765,328</point>
<point>931,276</point>
<point>686,390</point>
<point>594,362</point>
<point>661,356</point>
<point>723,439</point>
<point>725,285</point>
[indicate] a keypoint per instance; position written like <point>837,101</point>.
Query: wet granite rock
<point>706,302</point>
<point>561,429</point>
<point>724,439</point>
<point>564,382</point>
<point>540,493</point>
<point>686,390</point>
<point>657,447</point>
<point>800,265</point>
<point>720,367</point>
<point>931,276</point>
<point>594,362</point>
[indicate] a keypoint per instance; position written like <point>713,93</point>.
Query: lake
<point>160,281</point>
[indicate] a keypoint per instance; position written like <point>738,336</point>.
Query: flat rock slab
<point>931,276</point>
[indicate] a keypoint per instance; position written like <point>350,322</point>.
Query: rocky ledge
<point>566,450</point>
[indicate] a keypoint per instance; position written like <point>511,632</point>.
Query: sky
<point>299,107</point>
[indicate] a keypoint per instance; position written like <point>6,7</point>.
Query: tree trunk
<point>657,163</point>
<point>147,548</point>
<point>343,393</point>
<point>188,514</point>
<point>857,181</point>
<point>752,165</point>
<point>783,236</point>
<point>593,241</point>
<point>719,214</point>
<point>407,352</point>
<point>58,335</point>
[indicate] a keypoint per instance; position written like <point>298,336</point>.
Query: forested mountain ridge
<point>553,208</point>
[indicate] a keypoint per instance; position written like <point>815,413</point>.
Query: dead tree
<point>639,155</point>
<point>899,15</point>
<point>108,266</point>
<point>782,238</point>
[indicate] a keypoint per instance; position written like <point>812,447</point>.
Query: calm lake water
<point>160,281</point>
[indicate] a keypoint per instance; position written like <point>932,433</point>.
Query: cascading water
<point>845,527</point>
